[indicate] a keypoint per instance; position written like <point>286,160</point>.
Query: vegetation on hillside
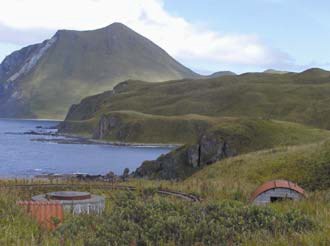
<point>151,221</point>
<point>250,134</point>
<point>308,165</point>
<point>291,97</point>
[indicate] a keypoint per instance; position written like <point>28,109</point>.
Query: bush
<point>157,221</point>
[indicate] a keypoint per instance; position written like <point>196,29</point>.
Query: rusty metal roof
<point>44,212</point>
<point>276,184</point>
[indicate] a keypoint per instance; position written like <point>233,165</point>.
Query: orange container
<point>48,214</point>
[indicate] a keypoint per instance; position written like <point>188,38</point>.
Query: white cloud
<point>23,36</point>
<point>183,40</point>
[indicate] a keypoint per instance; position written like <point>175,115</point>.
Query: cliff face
<point>51,76</point>
<point>186,160</point>
<point>134,127</point>
<point>21,62</point>
<point>13,99</point>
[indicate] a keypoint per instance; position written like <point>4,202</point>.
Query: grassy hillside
<point>137,127</point>
<point>237,177</point>
<point>302,98</point>
<point>248,134</point>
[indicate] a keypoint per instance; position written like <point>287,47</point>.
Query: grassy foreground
<point>143,218</point>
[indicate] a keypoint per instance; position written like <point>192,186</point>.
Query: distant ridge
<point>221,74</point>
<point>316,72</point>
<point>273,71</point>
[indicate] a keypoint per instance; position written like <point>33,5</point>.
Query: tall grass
<point>16,228</point>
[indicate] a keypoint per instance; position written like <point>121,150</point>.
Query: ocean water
<point>27,155</point>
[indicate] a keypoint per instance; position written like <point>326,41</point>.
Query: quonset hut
<point>277,190</point>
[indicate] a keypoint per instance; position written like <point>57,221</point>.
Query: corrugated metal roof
<point>276,184</point>
<point>44,212</point>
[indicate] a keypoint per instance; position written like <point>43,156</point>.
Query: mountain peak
<point>318,72</point>
<point>117,25</point>
<point>86,62</point>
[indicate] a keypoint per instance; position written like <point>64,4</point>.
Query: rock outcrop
<point>136,127</point>
<point>15,62</point>
<point>184,161</point>
<point>110,124</point>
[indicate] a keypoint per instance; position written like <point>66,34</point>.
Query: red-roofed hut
<point>277,190</point>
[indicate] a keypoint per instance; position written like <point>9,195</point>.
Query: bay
<point>22,156</point>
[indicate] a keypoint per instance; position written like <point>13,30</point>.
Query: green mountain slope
<point>302,98</point>
<point>45,79</point>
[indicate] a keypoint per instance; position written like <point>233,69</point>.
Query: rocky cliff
<point>186,160</point>
<point>135,127</point>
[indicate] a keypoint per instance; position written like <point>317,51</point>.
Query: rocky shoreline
<point>97,141</point>
<point>50,135</point>
<point>74,139</point>
<point>183,160</point>
<point>109,177</point>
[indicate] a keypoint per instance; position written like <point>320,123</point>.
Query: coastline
<point>48,133</point>
<point>32,119</point>
<point>89,140</point>
<point>115,143</point>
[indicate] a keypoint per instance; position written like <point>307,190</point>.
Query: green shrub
<point>157,221</point>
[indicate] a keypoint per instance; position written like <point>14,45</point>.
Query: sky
<point>205,35</point>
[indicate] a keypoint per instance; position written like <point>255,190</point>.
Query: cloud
<point>23,36</point>
<point>25,20</point>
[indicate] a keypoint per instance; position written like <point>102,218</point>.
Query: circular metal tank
<point>75,202</point>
